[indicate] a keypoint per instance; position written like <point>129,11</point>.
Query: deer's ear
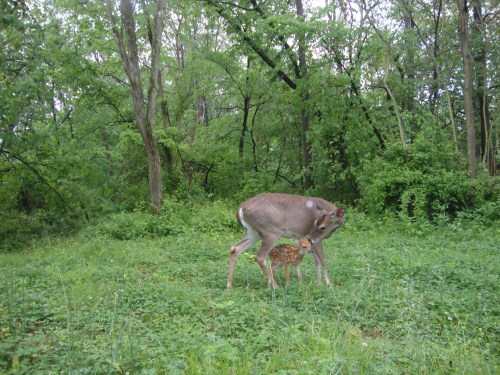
<point>318,206</point>
<point>338,213</point>
<point>295,239</point>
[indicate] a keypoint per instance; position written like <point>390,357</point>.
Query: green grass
<point>400,303</point>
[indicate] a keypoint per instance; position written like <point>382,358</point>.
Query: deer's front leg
<point>317,264</point>
<point>319,259</point>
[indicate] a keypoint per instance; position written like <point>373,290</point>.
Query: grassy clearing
<point>416,304</point>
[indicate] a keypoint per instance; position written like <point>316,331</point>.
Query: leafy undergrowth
<point>400,303</point>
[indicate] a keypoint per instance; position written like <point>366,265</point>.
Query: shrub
<point>126,225</point>
<point>176,217</point>
<point>186,216</point>
<point>423,182</point>
<point>18,229</point>
<point>218,217</point>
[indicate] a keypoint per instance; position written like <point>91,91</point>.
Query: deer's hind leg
<point>250,238</point>
<point>260,258</point>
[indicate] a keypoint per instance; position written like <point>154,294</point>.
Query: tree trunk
<point>409,99</point>
<point>447,71</point>
<point>201,116</point>
<point>246,110</point>
<point>244,128</point>
<point>468,86</point>
<point>435,55</point>
<point>254,143</point>
<point>402,136</point>
<point>161,94</point>
<point>165,116</point>
<point>130,60</point>
<point>306,145</point>
<point>481,86</point>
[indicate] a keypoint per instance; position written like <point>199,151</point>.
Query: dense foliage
<point>422,183</point>
<point>358,102</point>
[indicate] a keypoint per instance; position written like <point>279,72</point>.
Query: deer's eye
<point>322,228</point>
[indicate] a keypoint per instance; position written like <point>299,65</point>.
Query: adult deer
<point>269,216</point>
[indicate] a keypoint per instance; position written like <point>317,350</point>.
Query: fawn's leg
<point>299,274</point>
<point>274,266</point>
<point>287,273</point>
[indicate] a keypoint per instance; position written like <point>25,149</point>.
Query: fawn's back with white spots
<point>287,255</point>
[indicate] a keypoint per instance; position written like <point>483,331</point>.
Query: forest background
<point>389,107</point>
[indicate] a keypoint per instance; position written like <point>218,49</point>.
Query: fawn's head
<point>305,245</point>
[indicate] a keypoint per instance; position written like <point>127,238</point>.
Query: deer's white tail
<point>251,233</point>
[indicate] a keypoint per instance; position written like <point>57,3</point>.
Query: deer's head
<point>325,224</point>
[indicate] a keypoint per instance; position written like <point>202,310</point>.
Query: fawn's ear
<point>295,239</point>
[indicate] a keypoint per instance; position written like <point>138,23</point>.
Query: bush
<point>216,217</point>
<point>126,225</point>
<point>185,216</point>
<point>176,217</point>
<point>18,229</point>
<point>422,183</point>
